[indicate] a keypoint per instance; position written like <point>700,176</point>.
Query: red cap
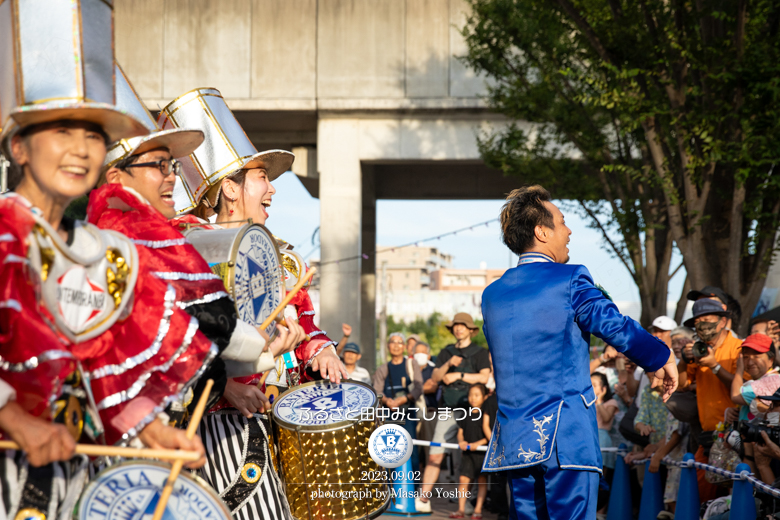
<point>759,342</point>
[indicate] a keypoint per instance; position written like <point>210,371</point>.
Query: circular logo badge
<point>258,284</point>
<point>132,489</point>
<point>390,446</point>
<point>324,403</point>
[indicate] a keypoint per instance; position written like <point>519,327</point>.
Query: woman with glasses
<point>142,178</point>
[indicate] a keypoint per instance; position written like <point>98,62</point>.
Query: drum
<point>131,490</point>
<point>247,259</point>
<point>322,449</point>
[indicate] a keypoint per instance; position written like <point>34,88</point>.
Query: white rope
<point>446,445</point>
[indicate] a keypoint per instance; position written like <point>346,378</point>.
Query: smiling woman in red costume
<point>89,348</point>
<point>239,423</point>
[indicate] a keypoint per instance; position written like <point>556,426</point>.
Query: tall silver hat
<point>57,62</point>
<point>226,149</point>
<point>179,141</point>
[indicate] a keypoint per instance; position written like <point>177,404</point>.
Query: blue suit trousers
<point>547,492</point>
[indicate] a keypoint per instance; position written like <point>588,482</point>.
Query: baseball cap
<point>759,342</point>
<point>351,347</point>
<point>664,323</point>
<point>709,291</point>
<point>706,307</point>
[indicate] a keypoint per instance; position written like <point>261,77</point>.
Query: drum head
<point>322,405</point>
<point>131,490</point>
<point>258,288</point>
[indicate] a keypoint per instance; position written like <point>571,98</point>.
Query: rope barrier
<point>446,445</point>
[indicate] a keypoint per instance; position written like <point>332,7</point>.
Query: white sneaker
<point>422,507</point>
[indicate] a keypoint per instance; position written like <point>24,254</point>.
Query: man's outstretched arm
<point>596,314</point>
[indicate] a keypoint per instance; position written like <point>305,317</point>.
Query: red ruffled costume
<point>136,368</point>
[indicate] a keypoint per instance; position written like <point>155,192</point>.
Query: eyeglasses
<point>166,166</point>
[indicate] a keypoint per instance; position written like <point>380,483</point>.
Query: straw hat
<point>226,149</point>
<point>60,65</point>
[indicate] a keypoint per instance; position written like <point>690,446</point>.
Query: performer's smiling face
<point>151,182</point>
<point>556,239</point>
<point>252,198</point>
<point>61,161</point>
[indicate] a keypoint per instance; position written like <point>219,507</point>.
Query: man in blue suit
<point>538,320</point>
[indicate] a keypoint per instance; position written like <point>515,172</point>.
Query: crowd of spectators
<point>726,383</point>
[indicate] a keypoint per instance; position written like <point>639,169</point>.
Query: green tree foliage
<point>432,331</point>
<point>661,118</point>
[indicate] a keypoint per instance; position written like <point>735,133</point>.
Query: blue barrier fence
<point>743,505</point>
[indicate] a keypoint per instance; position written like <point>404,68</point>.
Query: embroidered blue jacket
<point>538,321</point>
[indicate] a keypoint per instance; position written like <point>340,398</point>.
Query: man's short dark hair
<point>523,211</point>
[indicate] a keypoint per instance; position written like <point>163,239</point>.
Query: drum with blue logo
<point>130,490</point>
<point>322,431</point>
<point>247,259</point>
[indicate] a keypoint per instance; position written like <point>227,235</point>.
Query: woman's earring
<point>231,211</point>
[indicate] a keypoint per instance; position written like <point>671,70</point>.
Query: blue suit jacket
<point>538,322</point>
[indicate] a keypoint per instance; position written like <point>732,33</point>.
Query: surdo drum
<point>247,259</point>
<point>322,451</point>
<point>131,490</point>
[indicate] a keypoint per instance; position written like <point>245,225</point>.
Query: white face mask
<point>421,358</point>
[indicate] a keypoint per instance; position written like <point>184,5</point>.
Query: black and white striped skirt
<point>50,491</point>
<point>239,466</point>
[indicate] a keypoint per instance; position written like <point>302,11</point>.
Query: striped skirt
<point>49,492</point>
<point>239,467</point>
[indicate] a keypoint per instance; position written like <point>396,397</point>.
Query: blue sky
<point>295,215</point>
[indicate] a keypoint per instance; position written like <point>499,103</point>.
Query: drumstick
<point>116,451</point>
<point>177,466</point>
<point>289,297</point>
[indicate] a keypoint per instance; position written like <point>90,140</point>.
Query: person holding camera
<point>711,363</point>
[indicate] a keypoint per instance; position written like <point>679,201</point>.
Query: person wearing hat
<point>458,366</point>
<point>712,369</point>
<point>351,356</point>
<point>69,289</point>
<point>718,294</point>
<point>757,358</point>
<point>538,320</point>
<point>134,198</point>
<point>228,179</point>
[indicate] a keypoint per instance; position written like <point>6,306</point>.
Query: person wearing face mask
<point>719,295</point>
<point>712,370</point>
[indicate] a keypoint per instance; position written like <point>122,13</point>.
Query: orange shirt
<point>712,396</point>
